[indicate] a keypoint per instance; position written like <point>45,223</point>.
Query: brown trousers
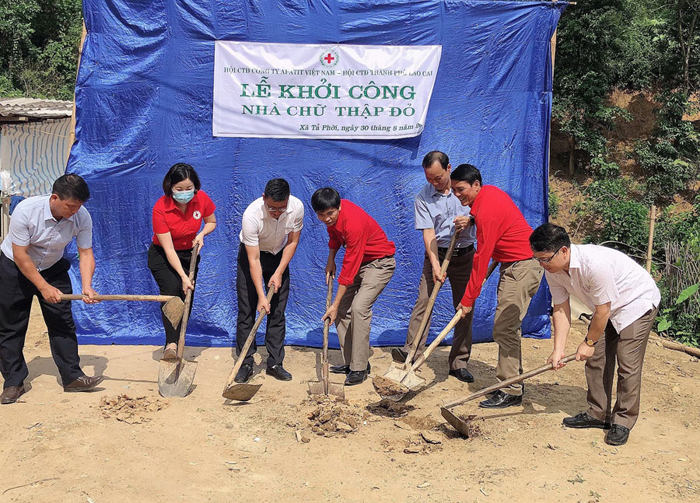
<point>517,285</point>
<point>458,273</point>
<point>629,347</point>
<point>355,310</point>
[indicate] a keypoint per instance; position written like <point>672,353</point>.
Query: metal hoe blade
<point>241,392</point>
<point>458,424</point>
<point>173,310</point>
<point>175,377</point>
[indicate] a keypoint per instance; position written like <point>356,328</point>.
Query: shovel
<point>397,372</point>
<point>395,388</point>
<point>462,425</point>
<point>326,387</point>
<point>245,391</point>
<point>175,377</point>
<point>173,307</point>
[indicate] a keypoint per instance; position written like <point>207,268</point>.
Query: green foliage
<point>553,204</point>
<point>682,319</point>
<point>670,158</point>
<point>621,218</point>
<point>39,47</point>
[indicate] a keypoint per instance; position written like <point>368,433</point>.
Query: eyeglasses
<point>548,260</point>
<point>276,209</point>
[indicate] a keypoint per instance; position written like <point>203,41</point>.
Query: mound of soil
<point>387,408</point>
<point>130,410</point>
<point>335,417</point>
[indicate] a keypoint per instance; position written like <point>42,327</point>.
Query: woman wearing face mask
<point>177,219</point>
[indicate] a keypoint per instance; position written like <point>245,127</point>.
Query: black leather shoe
<point>278,372</point>
<point>501,400</point>
<point>355,377</point>
<point>11,394</point>
<point>244,373</point>
<point>83,383</point>
<point>345,369</point>
<point>584,420</point>
<point>617,435</point>
<point>463,375</point>
<point>399,355</point>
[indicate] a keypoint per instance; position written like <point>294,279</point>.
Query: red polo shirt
<point>501,233</point>
<point>362,237</point>
<point>183,227</point>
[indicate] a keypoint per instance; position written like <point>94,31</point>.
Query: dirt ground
<point>124,443</point>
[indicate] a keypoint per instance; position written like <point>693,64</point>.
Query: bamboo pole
<point>652,220</point>
<point>676,346</point>
<point>72,119</point>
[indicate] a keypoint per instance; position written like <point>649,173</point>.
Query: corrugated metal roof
<point>35,108</point>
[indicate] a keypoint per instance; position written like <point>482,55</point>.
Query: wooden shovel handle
<point>326,327</point>
<point>431,301</point>
<point>429,350</point>
<point>153,298</point>
<point>188,303</point>
<point>249,340</point>
<point>508,382</point>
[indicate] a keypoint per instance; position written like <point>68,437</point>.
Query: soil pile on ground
<point>387,408</point>
<point>130,410</point>
<point>335,417</point>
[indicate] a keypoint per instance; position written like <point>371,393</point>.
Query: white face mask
<point>183,197</point>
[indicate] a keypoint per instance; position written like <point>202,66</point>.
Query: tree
<point>39,47</point>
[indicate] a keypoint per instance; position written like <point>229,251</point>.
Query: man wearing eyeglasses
<point>624,299</point>
<point>502,235</point>
<point>269,237</point>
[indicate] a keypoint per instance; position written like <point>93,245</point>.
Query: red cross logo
<point>329,58</point>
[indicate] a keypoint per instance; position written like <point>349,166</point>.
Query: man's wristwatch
<point>589,342</point>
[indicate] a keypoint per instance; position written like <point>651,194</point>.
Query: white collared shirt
<point>270,235</point>
<point>33,225</point>
<point>598,275</point>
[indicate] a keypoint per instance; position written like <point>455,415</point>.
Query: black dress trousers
<point>248,301</point>
<point>15,307</point>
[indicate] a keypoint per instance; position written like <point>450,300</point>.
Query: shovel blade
<point>175,377</point>
<point>173,310</point>
<point>241,392</point>
<point>316,388</point>
<point>335,389</point>
<point>458,424</point>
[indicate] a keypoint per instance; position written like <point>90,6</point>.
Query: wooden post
<point>572,150</point>
<point>652,219</point>
<point>553,51</point>
<point>72,119</point>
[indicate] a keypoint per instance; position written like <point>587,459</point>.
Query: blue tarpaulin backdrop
<point>144,102</point>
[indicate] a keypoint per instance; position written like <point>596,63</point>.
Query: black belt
<point>458,252</point>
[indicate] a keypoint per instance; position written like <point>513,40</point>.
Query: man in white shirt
<point>625,300</point>
<point>32,263</point>
<point>269,237</point>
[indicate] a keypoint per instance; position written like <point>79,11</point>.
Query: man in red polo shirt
<point>368,265</point>
<point>502,234</point>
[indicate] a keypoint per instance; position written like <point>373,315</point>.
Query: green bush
<point>553,204</point>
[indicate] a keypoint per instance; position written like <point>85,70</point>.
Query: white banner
<point>336,92</point>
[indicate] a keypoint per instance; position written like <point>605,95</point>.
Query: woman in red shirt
<point>177,218</point>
